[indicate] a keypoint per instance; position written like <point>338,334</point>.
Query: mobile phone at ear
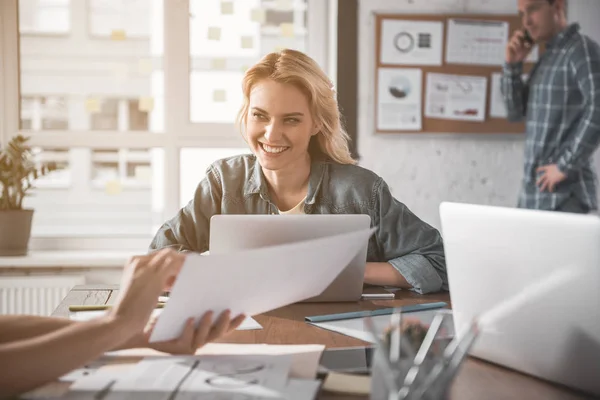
<point>527,39</point>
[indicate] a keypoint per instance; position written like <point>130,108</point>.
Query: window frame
<point>179,131</point>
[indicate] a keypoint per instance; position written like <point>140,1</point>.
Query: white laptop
<point>234,232</point>
<point>493,253</point>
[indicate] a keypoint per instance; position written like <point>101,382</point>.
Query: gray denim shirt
<point>236,185</point>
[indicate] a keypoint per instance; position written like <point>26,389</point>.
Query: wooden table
<point>477,379</point>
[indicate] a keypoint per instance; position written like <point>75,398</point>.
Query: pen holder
<point>418,362</point>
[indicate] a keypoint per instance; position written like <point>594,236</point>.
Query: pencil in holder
<point>417,362</point>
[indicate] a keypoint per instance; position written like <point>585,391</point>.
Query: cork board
<point>489,125</point>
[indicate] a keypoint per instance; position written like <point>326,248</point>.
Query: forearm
<point>514,92</point>
<point>384,274</point>
<point>19,327</point>
<point>35,361</point>
<point>423,274</point>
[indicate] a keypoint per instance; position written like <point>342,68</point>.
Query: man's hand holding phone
<point>519,47</point>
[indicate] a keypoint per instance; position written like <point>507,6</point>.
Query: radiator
<point>35,295</point>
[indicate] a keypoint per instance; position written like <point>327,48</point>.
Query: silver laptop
<point>493,253</point>
<point>234,232</point>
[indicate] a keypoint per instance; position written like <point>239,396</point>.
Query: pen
<point>99,307</point>
<point>378,296</point>
<point>373,313</point>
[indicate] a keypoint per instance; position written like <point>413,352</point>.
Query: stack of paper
<point>195,377</point>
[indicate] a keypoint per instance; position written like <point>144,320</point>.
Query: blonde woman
<point>301,164</point>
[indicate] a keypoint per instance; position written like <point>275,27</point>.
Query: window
<point>120,18</point>
<point>94,101</point>
<point>44,113</point>
<point>194,163</point>
<point>44,16</point>
<point>225,39</point>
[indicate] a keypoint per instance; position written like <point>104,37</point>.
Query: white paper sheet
<point>356,327</point>
<point>193,377</point>
<point>305,358</point>
<point>406,42</point>
<point>301,389</point>
<point>399,97</point>
<point>259,376</point>
<point>456,97</point>
<point>255,281</point>
<point>248,324</point>
<point>480,42</point>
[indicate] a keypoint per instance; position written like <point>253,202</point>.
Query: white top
<point>298,209</point>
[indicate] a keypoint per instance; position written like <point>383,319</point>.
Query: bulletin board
<point>437,124</point>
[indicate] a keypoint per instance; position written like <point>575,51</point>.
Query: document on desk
<point>186,378</point>
<point>193,377</point>
<point>305,357</point>
<point>257,280</point>
<point>356,327</point>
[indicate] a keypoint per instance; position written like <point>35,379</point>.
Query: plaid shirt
<point>560,103</point>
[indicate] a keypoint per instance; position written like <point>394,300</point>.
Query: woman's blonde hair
<point>298,69</point>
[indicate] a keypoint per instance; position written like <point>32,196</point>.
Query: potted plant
<point>18,171</point>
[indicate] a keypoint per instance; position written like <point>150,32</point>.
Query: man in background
<point>560,103</point>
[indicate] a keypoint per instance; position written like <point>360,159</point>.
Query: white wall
<point>424,170</point>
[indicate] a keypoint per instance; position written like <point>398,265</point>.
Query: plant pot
<point>15,230</point>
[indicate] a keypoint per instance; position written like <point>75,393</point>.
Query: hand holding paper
<point>255,281</point>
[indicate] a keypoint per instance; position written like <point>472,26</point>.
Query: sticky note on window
<point>145,66</point>
<point>227,7</point>
<point>113,187</point>
<point>247,42</point>
<point>258,15</point>
<point>214,33</point>
<point>118,34</point>
<point>287,29</point>
<point>279,48</point>
<point>284,4</point>
<point>143,173</point>
<point>218,63</point>
<point>146,104</point>
<point>92,105</point>
<point>219,96</point>
<point>244,68</point>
